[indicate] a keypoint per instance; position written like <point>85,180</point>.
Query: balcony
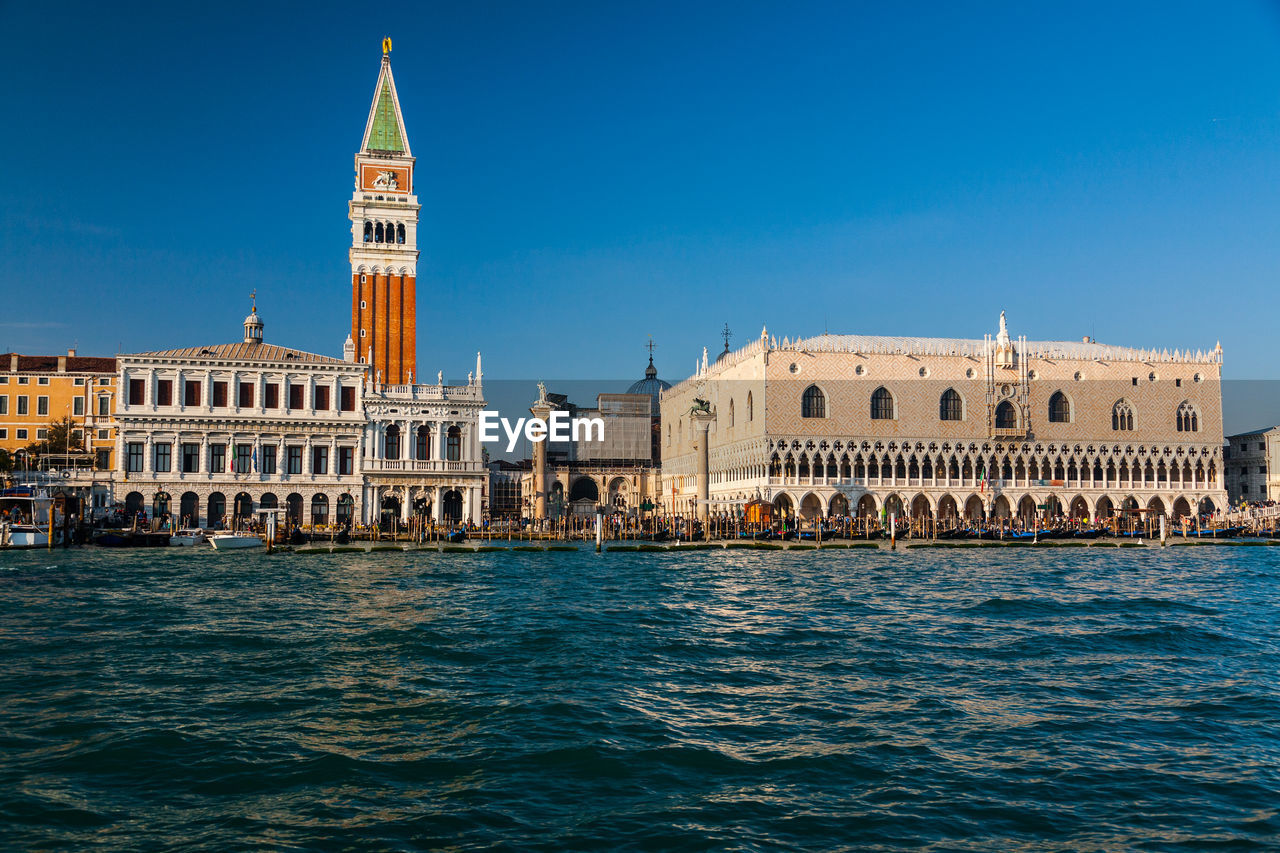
<point>437,393</point>
<point>422,466</point>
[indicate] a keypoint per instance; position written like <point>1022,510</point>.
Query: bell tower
<point>384,239</point>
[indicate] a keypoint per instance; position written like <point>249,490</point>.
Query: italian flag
<point>233,458</point>
<point>982,487</point>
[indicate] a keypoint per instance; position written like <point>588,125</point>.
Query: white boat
<point>229,541</point>
<point>186,538</point>
<point>24,518</point>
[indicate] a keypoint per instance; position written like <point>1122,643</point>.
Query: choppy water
<point>1065,699</point>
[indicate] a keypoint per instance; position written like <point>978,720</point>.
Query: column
<point>540,410</point>
<point>702,423</point>
<point>437,499</point>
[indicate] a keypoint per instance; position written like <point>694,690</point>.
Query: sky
<point>594,174</point>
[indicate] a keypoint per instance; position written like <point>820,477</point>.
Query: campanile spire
<point>384,238</point>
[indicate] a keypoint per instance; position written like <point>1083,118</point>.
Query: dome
<point>253,327</point>
<point>651,385</point>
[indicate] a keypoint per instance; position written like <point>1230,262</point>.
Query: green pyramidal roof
<point>384,131</point>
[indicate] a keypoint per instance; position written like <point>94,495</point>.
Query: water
<point>1066,699</point>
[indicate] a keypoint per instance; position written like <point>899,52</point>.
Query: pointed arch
<point>950,406</point>
<point>882,405</point>
<point>1006,416</point>
<point>1122,416</point>
<point>1059,408</point>
<point>813,404</point>
<point>1187,418</point>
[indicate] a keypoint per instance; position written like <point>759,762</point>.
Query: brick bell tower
<point>384,240</point>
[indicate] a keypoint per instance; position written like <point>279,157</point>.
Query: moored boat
<point>233,541</point>
<point>187,538</point>
<point>24,518</point>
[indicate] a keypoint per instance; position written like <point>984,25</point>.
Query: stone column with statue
<point>702,418</point>
<point>540,409</point>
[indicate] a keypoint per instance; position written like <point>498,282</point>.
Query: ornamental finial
<point>386,45</point>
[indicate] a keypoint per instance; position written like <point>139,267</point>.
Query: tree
<point>6,461</point>
<point>63,436</point>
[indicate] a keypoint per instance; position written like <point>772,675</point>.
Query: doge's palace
<point>940,427</point>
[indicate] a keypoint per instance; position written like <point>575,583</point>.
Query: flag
<point>255,457</point>
<point>982,487</point>
<point>233,458</point>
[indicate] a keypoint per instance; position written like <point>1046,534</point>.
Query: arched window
<point>1059,409</point>
<point>393,442</point>
<point>881,405</point>
<point>453,448</point>
<point>1006,416</point>
<point>1122,416</point>
<point>368,232</point>
<point>814,403</point>
<point>950,407</point>
<point>377,233</point>
<point>400,233</point>
<point>730,412</point>
<point>750,408</point>
<point>1188,418</point>
<point>424,443</point>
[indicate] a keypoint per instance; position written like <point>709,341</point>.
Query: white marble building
<point>213,433</point>
<point>422,453</point>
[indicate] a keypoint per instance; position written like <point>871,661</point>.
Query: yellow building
<point>36,390</point>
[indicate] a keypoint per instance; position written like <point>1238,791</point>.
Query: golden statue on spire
<point>386,45</point>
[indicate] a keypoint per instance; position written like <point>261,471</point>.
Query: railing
<point>428,466</point>
<point>429,392</point>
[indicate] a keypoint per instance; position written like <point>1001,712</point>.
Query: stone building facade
<point>931,427</point>
<point>616,470</point>
<point>422,452</point>
<point>209,434</point>
<point>38,389</point>
<point>1252,466</point>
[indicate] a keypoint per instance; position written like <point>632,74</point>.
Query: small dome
<point>253,328</point>
<point>651,385</point>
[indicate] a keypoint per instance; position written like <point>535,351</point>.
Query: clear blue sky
<point>591,174</point>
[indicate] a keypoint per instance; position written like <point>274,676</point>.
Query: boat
<point>131,539</point>
<point>112,539</point>
<point>24,518</point>
<point>187,538</point>
<point>232,541</point>
<point>457,536</point>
